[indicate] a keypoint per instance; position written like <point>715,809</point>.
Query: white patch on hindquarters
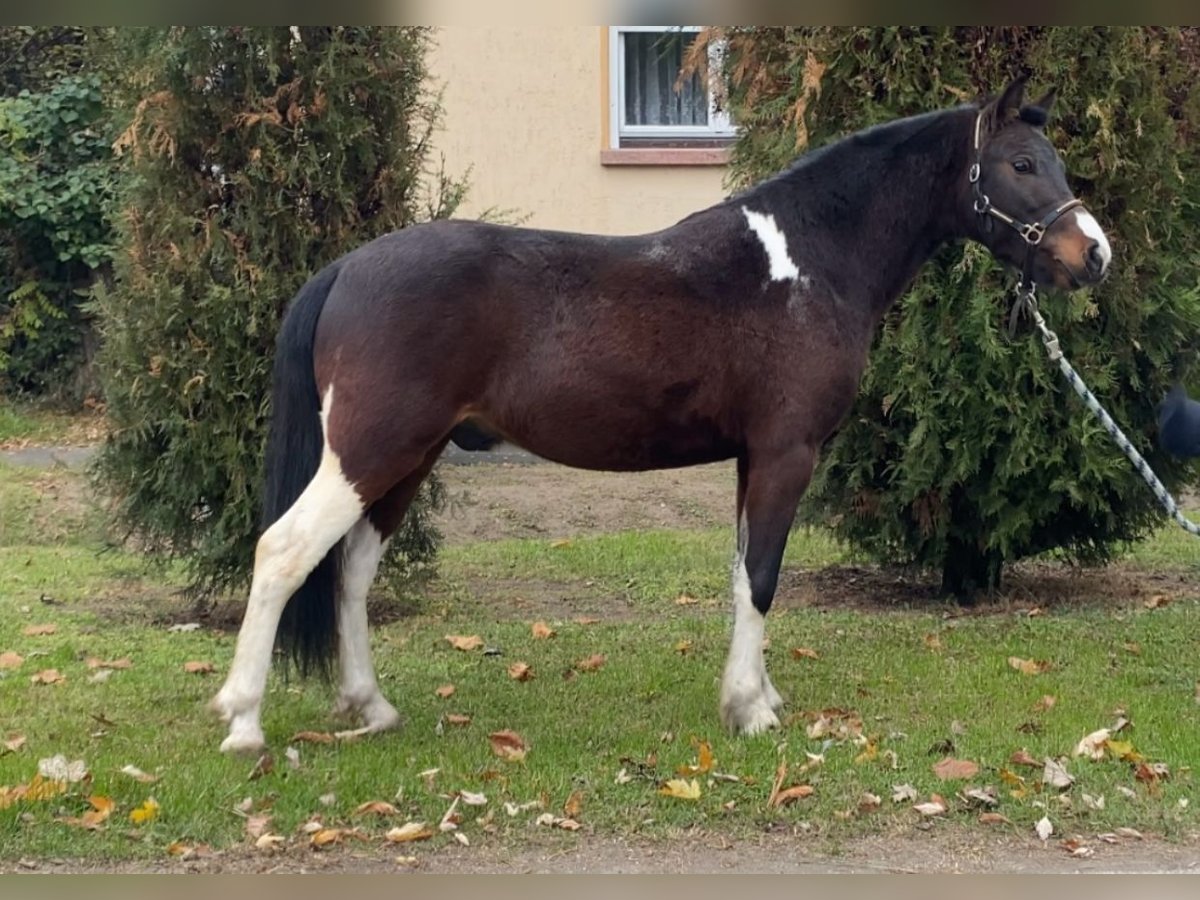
<point>775,243</point>
<point>748,698</point>
<point>1089,226</point>
<point>286,553</point>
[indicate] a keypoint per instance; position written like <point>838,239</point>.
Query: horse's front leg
<point>769,488</point>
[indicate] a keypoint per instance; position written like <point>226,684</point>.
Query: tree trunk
<point>968,571</point>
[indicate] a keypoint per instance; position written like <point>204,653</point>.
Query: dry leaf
<point>312,737</point>
<point>1046,703</point>
<point>292,755</point>
<point>993,818</point>
<point>470,798</point>
<point>1096,803</point>
<point>950,769</point>
<point>457,719</point>
<point>1029,666</point>
<point>508,745</point>
<point>57,768</point>
<point>683,648</point>
<point>869,802</point>
<point>685,600</point>
<point>147,812</point>
<point>574,805</point>
<point>587,620</point>
<point>39,630</point>
<point>48,676</point>
<point>465,642</point>
<point>933,642</point>
<point>137,774</point>
<point>903,793</point>
<point>541,631</point>
<point>184,628</point>
<point>1123,750</point>
<point>446,690</point>
<point>935,806</point>
<point>704,761</point>
<point>591,664</point>
<point>409,831</point>
<point>805,653</point>
<point>375,808</point>
<point>1023,758</point>
<point>1152,773</point>
<point>1056,775</point>
<point>792,794</point>
<point>13,742</point>
<point>256,825</point>
<point>559,543</point>
<point>520,671</point>
<point>9,659</point>
<point>1128,833</point>
<point>264,765</point>
<point>1092,745</point>
<point>1158,601</point>
<point>1044,828</point>
<point>984,796</point>
<point>270,842</point>
<point>199,667</point>
<point>681,789</point>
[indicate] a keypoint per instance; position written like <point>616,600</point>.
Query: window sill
<point>665,156</point>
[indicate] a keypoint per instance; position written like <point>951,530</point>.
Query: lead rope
<point>1027,302</point>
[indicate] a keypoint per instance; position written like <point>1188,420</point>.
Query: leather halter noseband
<point>1032,233</point>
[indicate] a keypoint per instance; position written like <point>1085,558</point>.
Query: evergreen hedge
<point>965,450</point>
<point>253,156</point>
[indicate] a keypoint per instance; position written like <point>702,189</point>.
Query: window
<point>649,106</point>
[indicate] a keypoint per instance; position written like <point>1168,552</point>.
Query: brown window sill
<point>665,156</point>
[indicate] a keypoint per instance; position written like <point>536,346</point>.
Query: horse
<point>741,332</point>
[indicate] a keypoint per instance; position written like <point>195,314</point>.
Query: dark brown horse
<point>739,333</point>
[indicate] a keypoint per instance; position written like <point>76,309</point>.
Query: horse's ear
<point>1046,103</point>
<point>1037,113</point>
<point>1006,107</point>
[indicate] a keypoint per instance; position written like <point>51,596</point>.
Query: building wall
<point>526,109</point>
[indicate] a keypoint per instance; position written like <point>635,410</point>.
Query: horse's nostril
<point>1095,258</point>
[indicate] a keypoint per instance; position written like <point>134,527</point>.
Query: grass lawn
<point>877,698</point>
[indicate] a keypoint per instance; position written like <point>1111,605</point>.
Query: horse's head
<point>1027,214</point>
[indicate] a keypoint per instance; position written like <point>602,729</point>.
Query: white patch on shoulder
<point>1088,225</point>
<point>775,243</point>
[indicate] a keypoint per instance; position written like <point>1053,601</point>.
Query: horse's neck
<point>900,200</point>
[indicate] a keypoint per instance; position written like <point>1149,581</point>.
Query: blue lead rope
<point>1027,302</point>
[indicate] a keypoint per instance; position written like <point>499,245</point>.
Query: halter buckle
<point>1033,233</point>
<point>982,204</point>
<point>974,172</point>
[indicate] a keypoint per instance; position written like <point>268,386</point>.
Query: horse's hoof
<point>244,744</point>
<point>754,717</point>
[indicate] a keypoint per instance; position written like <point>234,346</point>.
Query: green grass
<point>638,712</point>
<point>37,423</point>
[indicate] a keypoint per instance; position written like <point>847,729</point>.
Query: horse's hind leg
<point>285,554</point>
<point>358,690</point>
<point>769,488</point>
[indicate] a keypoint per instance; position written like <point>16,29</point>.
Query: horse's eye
<point>1022,165</point>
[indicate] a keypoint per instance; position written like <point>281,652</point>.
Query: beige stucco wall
<point>525,111</point>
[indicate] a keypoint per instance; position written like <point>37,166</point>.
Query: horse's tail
<point>308,628</point>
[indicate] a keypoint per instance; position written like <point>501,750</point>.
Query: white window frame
<point>719,124</point>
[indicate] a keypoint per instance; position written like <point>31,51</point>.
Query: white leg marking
<point>286,553</point>
<point>775,243</point>
<point>1088,225</point>
<point>747,695</point>
<point>358,690</point>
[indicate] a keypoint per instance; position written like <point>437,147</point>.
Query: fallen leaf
<point>869,802</point>
<point>292,755</point>
<point>792,794</point>
<point>375,808</point>
<point>683,648</point>
<point>520,671</point>
<point>587,620</point>
<point>1045,704</point>
<point>1158,601</point>
<point>1096,803</point>
<point>1132,647</point>
<point>462,839</point>
<point>1029,666</point>
<point>932,642</point>
<point>984,796</point>
<point>94,662</point>
<point>457,719</point>
<point>1128,793</point>
<point>429,776</point>
<point>465,642</point>
<point>1128,833</point>
<point>1152,773</point>
<point>1043,828</point>
<point>100,676</point>
<point>951,769</point>
<point>13,742</point>
<point>574,805</point>
<point>935,806</point>
<point>137,774</point>
<point>1023,758</point>
<point>1056,775</point>
<point>685,600</point>
<point>270,842</point>
<point>508,745</point>
<point>559,543</point>
<point>1123,750</point>
<point>57,768</point>
<point>1092,745</point>
<point>591,663</point>
<point>541,631</point>
<point>903,793</point>
<point>868,754</point>
<point>446,690</point>
<point>48,676</point>
<point>264,765</point>
<point>470,798</point>
<point>409,831</point>
<point>993,818</point>
<point>324,837</point>
<point>147,812</point>
<point>312,737</point>
<point>10,659</point>
<point>256,826</point>
<point>681,789</point>
<point>704,761</point>
<point>199,667</point>
<point>623,777</point>
<point>805,653</point>
<point>184,628</point>
<point>39,630</point>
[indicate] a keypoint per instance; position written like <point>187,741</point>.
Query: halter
<point>1032,233</point>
